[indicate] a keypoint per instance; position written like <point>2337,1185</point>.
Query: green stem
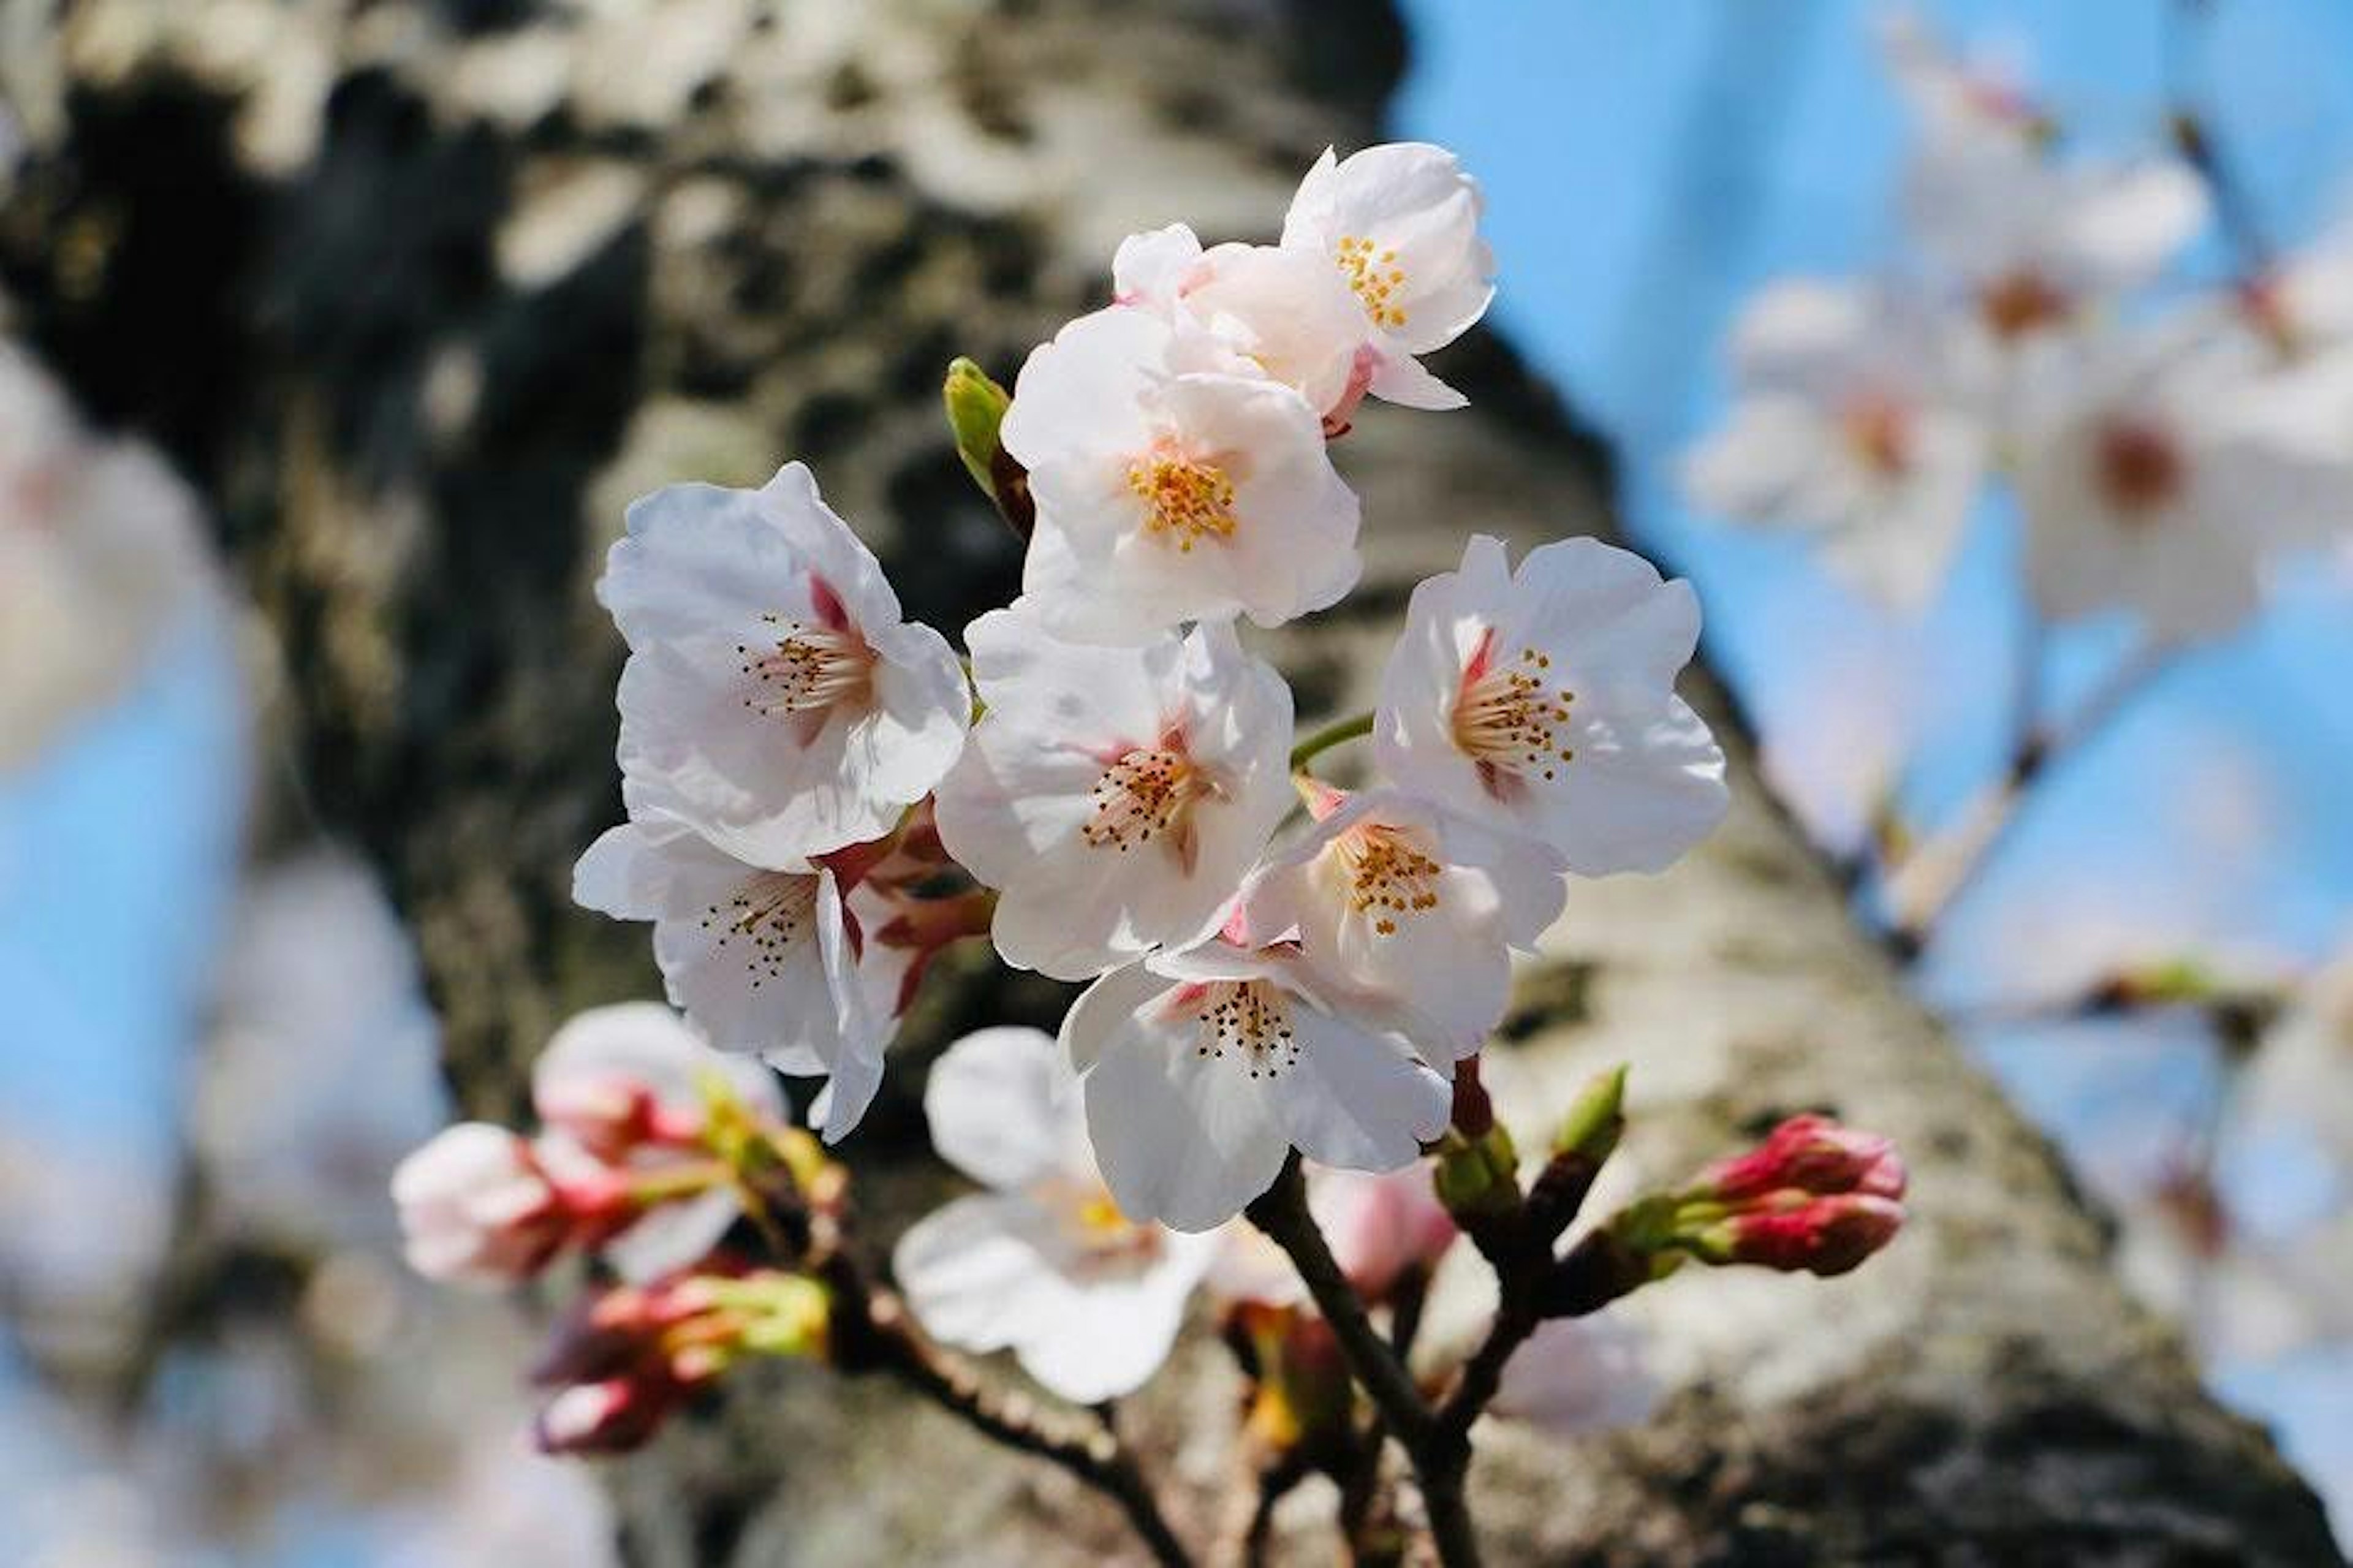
<point>1329,736</point>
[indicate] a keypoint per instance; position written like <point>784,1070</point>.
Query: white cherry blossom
<point>1576,1375</point>
<point>1253,309</point>
<point>1115,797</point>
<point>1166,493</point>
<point>1204,1068</point>
<point>1406,901</point>
<point>772,688</point>
<point>2036,245</point>
<point>633,1072</point>
<point>1542,703</point>
<point>1400,224</point>
<point>1852,423</point>
<point>759,958</point>
<point>1043,1263</point>
<point>2174,476</point>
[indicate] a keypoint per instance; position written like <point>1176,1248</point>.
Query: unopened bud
<point>1797,1233</point>
<point>610,1418</point>
<point>1302,1396</point>
<point>604,1113</point>
<point>789,1315</point>
<point>1478,1179</point>
<point>1585,1139</point>
<point>1809,1154</point>
<point>975,409</point>
<point>477,1206</point>
<point>1383,1229</point>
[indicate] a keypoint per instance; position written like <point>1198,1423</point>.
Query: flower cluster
<point>820,796</point>
<point>2165,453</point>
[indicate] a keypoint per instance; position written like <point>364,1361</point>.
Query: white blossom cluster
<point>2167,448</point>
<point>800,764</point>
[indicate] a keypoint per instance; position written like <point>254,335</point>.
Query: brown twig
<point>871,1331</point>
<point>1282,1213</point>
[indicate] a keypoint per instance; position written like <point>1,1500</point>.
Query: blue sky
<point>1647,167</point>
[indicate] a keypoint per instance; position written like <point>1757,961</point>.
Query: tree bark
<point>420,291</point>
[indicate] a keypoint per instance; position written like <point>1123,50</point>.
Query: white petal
<point>649,1043</point>
<point>1184,1137</point>
<point>1358,1100</point>
<point>674,1236</point>
<point>1000,1103</point>
<point>973,1272</point>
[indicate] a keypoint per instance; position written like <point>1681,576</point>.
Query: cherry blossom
<point>480,1207</point>
<point>1407,901</point>
<point>1203,1068</point>
<point>1252,309</point>
<point>1042,1263</point>
<point>2035,246</point>
<point>1114,796</point>
<point>1542,703</point>
<point>1166,494</point>
<point>627,1084</point>
<point>772,690</point>
<point>1852,423</point>
<point>1577,1375</point>
<point>2175,476</point>
<point>1400,224</point>
<point>760,958</point>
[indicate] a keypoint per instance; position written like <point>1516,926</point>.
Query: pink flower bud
<point>1793,1233</point>
<point>610,1418</point>
<point>1381,1226</point>
<point>477,1208</point>
<point>608,1114</point>
<point>1810,1154</point>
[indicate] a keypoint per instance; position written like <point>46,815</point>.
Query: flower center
<point>1186,500</point>
<point>2019,303</point>
<point>2140,466</point>
<point>1508,718</point>
<point>808,670</point>
<point>763,921</point>
<point>1388,877</point>
<point>1878,433</point>
<point>1249,1019</point>
<point>1375,277</point>
<point>1148,794</point>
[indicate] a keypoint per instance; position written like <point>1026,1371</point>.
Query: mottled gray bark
<point>421,293</point>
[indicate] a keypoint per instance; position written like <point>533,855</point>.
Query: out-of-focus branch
<point>1922,887</point>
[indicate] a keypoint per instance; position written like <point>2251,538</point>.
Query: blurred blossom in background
<point>214,1051</point>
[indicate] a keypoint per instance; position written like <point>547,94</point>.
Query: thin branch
<point>1442,1458</point>
<point>1936,877</point>
<point>871,1331</point>
<point>1087,1450</point>
<point>1282,1213</point>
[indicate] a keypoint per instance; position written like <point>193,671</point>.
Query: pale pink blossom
<point>1204,1068</point>
<point>1043,1262</point>
<point>1114,796</point>
<point>773,694</point>
<point>1541,702</point>
<point>1167,494</point>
